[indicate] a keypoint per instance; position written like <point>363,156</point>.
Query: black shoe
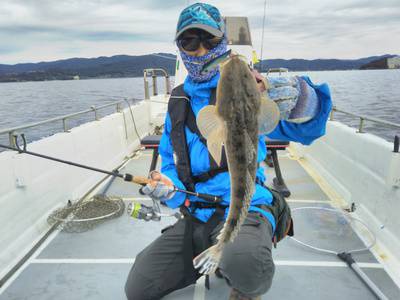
<point>218,273</point>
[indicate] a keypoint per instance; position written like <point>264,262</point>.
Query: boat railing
<point>93,109</point>
<point>153,73</point>
<point>362,119</point>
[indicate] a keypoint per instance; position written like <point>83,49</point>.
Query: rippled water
<point>372,93</point>
<point>28,102</point>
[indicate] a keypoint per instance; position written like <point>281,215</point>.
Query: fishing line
<point>262,36</point>
<point>343,219</point>
<point>133,119</point>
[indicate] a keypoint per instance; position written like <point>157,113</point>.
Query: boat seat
<point>272,160</point>
<point>152,142</point>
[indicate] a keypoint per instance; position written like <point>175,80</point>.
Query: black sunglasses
<point>192,43</point>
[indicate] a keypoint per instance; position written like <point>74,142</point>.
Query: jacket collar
<point>200,91</point>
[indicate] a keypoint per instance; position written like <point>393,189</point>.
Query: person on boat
<point>247,266</point>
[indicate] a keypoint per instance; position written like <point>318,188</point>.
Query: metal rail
<point>11,131</point>
<point>277,70</point>
<point>153,73</point>
<point>363,118</point>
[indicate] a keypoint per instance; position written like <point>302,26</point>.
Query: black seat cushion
<point>151,141</point>
<point>277,144</point>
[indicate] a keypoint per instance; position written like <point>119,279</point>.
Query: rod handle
<point>209,198</point>
<point>137,179</point>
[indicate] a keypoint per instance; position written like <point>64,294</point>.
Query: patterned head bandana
<point>194,64</point>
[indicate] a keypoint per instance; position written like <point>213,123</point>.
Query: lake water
<point>373,93</point>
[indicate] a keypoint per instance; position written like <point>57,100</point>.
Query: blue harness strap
<point>266,214</point>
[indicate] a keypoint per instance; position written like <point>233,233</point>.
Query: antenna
<point>262,37</point>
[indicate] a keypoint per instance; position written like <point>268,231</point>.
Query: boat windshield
<point>237,30</point>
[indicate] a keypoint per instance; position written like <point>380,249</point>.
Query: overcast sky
<point>46,30</point>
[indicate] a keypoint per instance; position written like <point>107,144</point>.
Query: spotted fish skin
<point>238,105</point>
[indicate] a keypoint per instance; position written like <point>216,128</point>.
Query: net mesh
<point>85,215</point>
<point>331,230</point>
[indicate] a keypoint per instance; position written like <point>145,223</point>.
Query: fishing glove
<point>284,91</point>
<point>297,100</point>
<point>161,188</point>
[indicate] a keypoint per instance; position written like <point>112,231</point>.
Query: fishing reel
<point>143,212</point>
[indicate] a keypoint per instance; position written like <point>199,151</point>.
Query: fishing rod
<point>126,177</point>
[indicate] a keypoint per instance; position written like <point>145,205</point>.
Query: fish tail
<point>208,260</point>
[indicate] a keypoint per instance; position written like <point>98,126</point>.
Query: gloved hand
<point>284,91</point>
<point>296,100</point>
<point>161,188</point>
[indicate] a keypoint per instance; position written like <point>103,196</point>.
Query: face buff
<point>194,64</point>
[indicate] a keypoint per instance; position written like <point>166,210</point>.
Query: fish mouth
<point>215,62</point>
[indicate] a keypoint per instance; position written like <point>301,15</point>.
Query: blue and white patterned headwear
<point>208,18</point>
<point>194,64</point>
<point>202,16</point>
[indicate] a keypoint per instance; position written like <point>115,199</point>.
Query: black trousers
<point>246,264</point>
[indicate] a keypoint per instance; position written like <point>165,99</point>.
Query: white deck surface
<point>95,264</point>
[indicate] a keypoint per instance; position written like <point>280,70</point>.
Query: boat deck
<point>95,264</point>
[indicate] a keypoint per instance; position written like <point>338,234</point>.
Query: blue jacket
<point>304,133</point>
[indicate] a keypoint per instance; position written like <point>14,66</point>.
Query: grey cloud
<point>110,22</point>
<point>69,33</point>
<point>7,49</point>
<point>71,8</point>
<point>366,4</point>
<point>328,24</point>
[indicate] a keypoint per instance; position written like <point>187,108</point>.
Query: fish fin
<point>249,191</point>
<point>214,145</point>
<point>208,260</point>
<point>211,128</point>
<point>250,186</point>
<point>208,121</point>
<point>269,116</point>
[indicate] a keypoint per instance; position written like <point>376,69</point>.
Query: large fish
<point>235,122</point>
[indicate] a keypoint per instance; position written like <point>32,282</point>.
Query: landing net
<point>85,215</point>
<point>330,230</point>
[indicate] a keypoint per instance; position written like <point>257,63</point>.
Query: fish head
<point>216,62</point>
<point>237,88</point>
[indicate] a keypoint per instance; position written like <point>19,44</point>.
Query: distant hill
<point>101,67</point>
<point>383,63</point>
<point>132,66</point>
<point>319,64</point>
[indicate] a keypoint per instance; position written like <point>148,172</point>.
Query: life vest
<point>182,115</point>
